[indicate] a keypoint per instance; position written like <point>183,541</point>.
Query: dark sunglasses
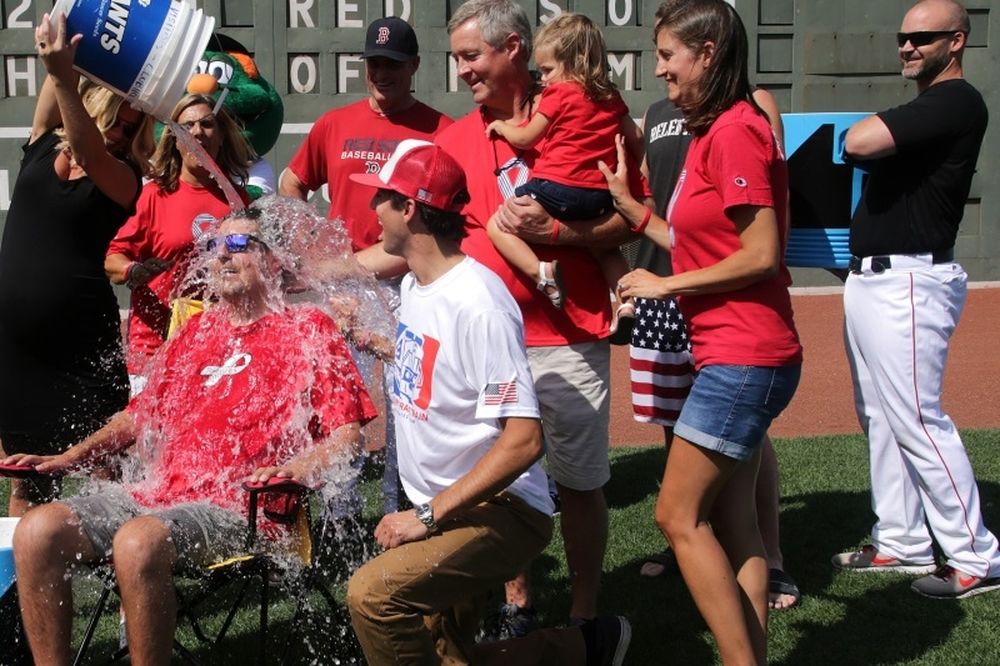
<point>235,243</point>
<point>922,38</point>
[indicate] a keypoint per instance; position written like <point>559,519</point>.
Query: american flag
<point>660,362</point>
<point>500,394</point>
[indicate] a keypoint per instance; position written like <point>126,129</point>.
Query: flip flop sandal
<point>551,285</point>
<point>666,559</point>
<point>779,582</point>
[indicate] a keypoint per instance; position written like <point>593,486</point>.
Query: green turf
<point>843,619</point>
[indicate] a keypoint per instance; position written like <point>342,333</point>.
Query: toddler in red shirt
<point>579,114</point>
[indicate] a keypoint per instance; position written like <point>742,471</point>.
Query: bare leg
<point>19,502</point>
<point>613,266</point>
<point>46,544</point>
<point>693,481</point>
<point>734,522</point>
<point>654,569</point>
<point>144,562</point>
<point>514,250</point>
<point>767,497</point>
<point>585,532</point>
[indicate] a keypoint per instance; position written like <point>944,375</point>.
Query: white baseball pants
<point>898,324</point>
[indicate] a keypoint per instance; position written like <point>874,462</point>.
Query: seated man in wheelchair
<point>251,389</point>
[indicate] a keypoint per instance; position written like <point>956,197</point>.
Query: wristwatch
<point>425,514</point>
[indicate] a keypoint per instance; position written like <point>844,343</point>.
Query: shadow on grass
<point>845,618</point>
<point>635,474</point>
<point>858,618</point>
<point>320,635</point>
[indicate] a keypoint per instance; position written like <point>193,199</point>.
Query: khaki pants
<point>421,603</point>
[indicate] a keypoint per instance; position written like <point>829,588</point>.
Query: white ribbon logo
<point>234,365</point>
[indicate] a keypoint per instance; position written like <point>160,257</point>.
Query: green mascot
<point>228,69</point>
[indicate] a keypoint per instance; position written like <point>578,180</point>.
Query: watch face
<point>425,515</point>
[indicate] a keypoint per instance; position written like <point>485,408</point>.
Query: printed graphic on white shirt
<point>501,393</point>
<point>413,381</point>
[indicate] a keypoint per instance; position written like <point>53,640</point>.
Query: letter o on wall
<point>298,66</point>
<point>622,15</point>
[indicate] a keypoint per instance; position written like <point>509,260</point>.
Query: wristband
<point>645,221</point>
<point>554,238</point>
<point>128,271</point>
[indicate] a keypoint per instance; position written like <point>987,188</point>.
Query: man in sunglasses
<point>250,389</point>
<point>902,301</point>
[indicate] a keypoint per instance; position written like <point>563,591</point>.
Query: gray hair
<point>497,19</point>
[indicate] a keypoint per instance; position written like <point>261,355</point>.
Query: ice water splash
<point>192,146</point>
<point>313,269</point>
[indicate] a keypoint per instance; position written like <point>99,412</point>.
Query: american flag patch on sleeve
<point>500,394</point>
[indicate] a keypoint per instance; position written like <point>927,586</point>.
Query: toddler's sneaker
<point>869,559</point>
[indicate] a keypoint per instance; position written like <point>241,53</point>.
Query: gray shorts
<point>572,384</point>
<point>202,533</point>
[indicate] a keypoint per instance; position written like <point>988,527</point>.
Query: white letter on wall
<point>300,9</point>
<point>623,66</point>
<point>623,18</point>
<point>342,11</point>
<point>28,76</point>
<point>403,13</point>
<point>295,67</point>
<point>348,67</point>
<point>553,10</point>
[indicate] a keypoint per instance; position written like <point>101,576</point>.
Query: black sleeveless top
<point>61,363</point>
<point>666,147</point>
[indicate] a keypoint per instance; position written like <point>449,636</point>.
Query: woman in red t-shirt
<point>181,203</point>
<point>726,235</point>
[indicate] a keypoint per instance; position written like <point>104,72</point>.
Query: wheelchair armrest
<point>293,493</point>
<point>20,471</point>
<point>276,484</point>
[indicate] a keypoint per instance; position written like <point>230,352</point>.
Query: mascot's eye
<point>222,71</point>
<point>202,67</point>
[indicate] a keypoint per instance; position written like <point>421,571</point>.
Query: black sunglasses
<point>235,243</point>
<point>922,38</point>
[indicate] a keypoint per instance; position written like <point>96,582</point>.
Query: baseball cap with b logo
<point>391,37</point>
<point>421,171</point>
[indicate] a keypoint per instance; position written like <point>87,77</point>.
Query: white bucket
<point>145,50</point>
<point>7,526</point>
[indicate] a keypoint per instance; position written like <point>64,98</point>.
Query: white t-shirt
<point>460,365</point>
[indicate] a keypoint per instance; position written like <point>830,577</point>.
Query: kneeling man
<point>469,440</point>
<point>250,389</point>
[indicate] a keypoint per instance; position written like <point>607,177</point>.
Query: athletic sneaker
<point>950,583</point>
<point>516,622</point>
<point>869,559</point>
<point>509,621</point>
<point>607,639</point>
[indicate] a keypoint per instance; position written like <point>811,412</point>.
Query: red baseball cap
<point>422,171</point>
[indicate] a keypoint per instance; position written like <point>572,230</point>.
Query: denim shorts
<point>730,407</point>
<point>566,202</point>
